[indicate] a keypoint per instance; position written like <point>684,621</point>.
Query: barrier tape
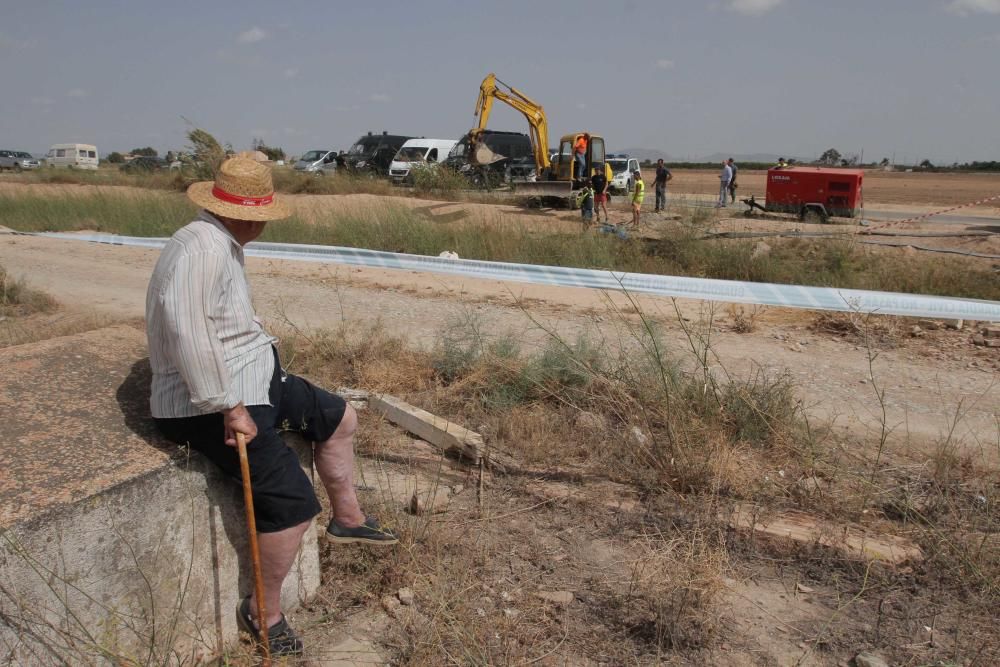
<point>930,215</point>
<point>707,289</point>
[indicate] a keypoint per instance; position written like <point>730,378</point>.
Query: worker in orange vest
<point>580,155</point>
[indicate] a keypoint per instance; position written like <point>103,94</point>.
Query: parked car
<point>622,167</point>
<point>512,146</point>
<point>416,154</point>
<point>144,164</point>
<point>372,153</point>
<point>17,160</point>
<point>317,162</point>
<point>74,156</point>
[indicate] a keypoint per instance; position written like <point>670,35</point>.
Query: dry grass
<point>882,331</point>
<point>687,439</point>
<point>19,300</point>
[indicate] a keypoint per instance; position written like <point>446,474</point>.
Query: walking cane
<point>258,580</point>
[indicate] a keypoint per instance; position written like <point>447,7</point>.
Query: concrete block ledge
<point>116,547</point>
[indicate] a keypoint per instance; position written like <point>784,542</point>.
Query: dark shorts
<point>283,495</point>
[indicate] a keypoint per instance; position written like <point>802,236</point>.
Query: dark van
<point>372,153</point>
<point>513,146</point>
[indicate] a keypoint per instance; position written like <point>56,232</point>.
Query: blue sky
<point>912,77</point>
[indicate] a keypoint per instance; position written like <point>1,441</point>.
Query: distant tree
<point>148,151</point>
<point>926,164</point>
<point>114,157</point>
<point>884,162</point>
<point>830,156</point>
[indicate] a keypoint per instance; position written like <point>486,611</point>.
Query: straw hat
<point>242,190</point>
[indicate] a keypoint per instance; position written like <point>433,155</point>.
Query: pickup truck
<point>17,160</point>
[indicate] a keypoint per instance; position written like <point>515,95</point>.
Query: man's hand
<point>238,420</point>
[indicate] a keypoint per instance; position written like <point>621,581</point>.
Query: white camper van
<point>75,156</point>
<point>417,153</point>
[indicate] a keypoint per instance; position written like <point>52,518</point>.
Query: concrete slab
<point>115,546</point>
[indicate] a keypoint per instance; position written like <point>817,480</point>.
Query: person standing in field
<point>660,186</point>
<point>724,178</point>
<point>637,196</point>
<point>732,180</point>
<point>599,182</point>
<point>585,200</point>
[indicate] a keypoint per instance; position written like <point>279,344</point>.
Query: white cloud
<point>290,73</point>
<point>966,7</point>
<point>581,105</point>
<point>252,35</point>
<point>753,7</point>
<point>77,92</point>
<point>380,97</point>
<point>663,63</point>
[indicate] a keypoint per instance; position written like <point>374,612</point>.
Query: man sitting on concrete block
<point>216,372</point>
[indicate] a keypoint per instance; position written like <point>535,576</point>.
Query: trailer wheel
<point>813,217</point>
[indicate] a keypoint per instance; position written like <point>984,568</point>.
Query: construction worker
<point>585,200</point>
<point>599,181</point>
<point>637,196</point>
<point>580,156</point>
<point>660,186</point>
<point>782,164</point>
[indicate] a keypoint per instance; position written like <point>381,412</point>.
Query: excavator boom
<point>532,111</point>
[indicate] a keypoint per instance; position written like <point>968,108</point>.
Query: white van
<point>416,153</point>
<point>74,156</point>
<point>317,161</point>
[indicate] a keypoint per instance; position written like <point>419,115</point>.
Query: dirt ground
<point>925,377</point>
<point>552,559</point>
<point>880,187</point>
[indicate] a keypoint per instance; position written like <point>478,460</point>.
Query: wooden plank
<point>438,431</point>
<point>852,541</point>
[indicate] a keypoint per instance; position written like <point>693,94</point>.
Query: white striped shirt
<point>207,349</point>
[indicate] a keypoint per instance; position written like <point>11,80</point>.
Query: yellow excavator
<point>553,178</point>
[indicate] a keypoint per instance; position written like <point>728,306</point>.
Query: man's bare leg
<point>277,553</point>
<point>334,460</point>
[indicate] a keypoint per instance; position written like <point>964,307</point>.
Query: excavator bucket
<point>482,155</point>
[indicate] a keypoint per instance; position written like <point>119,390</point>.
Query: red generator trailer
<point>812,193</point>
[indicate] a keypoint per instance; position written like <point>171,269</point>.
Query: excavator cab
<point>564,167</point>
